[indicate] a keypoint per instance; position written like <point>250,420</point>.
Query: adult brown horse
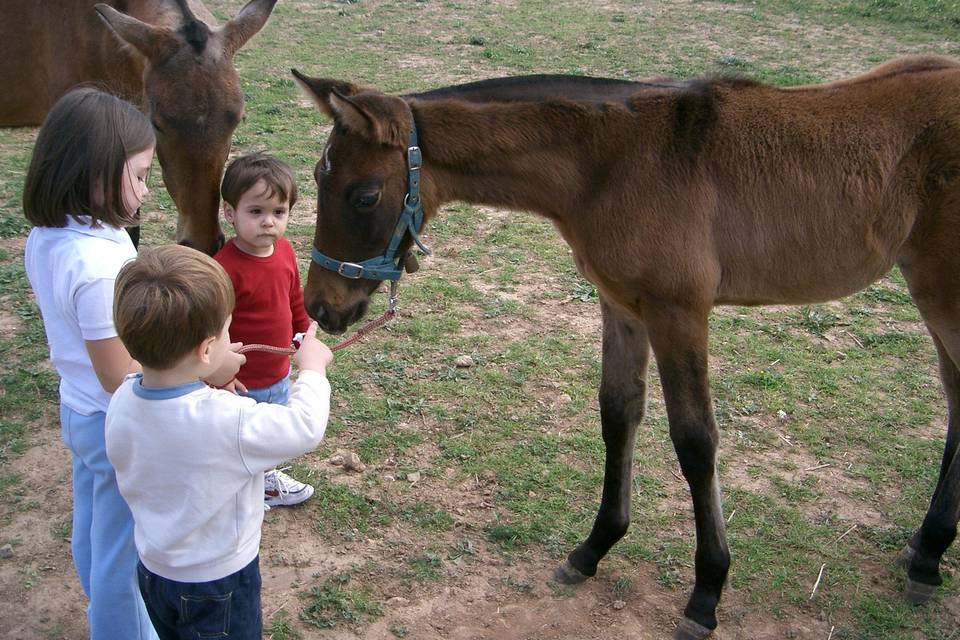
<point>168,56</point>
<point>675,197</point>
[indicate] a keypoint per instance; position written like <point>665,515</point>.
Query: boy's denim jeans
<point>277,393</point>
<point>102,536</point>
<point>225,608</point>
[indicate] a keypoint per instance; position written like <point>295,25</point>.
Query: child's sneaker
<point>280,490</point>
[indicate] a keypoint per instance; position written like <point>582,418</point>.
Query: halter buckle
<point>354,275</point>
<point>414,158</point>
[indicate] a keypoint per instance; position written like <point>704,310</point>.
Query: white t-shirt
<point>190,462</point>
<point>72,271</point>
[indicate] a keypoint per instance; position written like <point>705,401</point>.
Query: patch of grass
<point>424,566</point>
<point>331,603</point>
<point>281,627</point>
<point>346,512</point>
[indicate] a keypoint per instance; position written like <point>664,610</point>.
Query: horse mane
<point>585,90</point>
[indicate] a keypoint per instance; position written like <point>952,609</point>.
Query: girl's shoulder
<point>88,253</point>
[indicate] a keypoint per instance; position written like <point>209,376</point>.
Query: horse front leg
<point>679,340</point>
<point>623,386</point>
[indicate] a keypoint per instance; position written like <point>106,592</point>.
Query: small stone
<point>352,462</point>
<point>348,460</point>
<point>564,399</point>
<point>397,601</point>
<point>389,478</point>
<point>413,477</point>
<point>463,362</point>
<point>619,604</point>
<point>782,414</point>
<point>6,551</point>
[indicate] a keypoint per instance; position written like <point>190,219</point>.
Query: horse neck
<point>528,155</point>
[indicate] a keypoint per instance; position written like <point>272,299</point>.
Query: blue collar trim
<point>164,393</point>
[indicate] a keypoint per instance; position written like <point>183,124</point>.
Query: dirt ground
<point>41,599</point>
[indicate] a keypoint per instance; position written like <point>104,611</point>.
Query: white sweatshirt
<point>190,462</point>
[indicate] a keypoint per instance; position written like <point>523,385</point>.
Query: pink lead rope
<point>361,332</point>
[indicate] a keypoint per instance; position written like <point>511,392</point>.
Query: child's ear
<point>203,349</point>
<point>228,212</point>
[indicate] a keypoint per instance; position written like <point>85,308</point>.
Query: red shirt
<point>269,308</point>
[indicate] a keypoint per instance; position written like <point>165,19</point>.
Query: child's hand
<point>227,371</point>
<point>234,386</point>
<point>313,354</point>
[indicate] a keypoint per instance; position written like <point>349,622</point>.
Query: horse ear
<point>382,119</point>
<point>246,24</point>
<point>320,89</point>
<point>152,42</point>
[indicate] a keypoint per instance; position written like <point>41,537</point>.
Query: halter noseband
<point>389,266</point>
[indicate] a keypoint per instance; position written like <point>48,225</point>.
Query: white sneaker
<point>280,490</point>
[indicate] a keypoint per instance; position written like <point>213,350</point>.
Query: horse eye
<point>366,201</point>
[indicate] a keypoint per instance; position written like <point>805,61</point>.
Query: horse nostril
<point>317,312</point>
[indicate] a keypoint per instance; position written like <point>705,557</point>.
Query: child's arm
<point>111,362</point>
<point>297,311</point>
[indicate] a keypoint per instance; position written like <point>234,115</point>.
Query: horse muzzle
<point>336,321</point>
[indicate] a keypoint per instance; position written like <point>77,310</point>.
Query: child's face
<point>259,220</point>
<point>134,180</point>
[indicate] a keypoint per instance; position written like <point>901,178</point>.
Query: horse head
<point>363,186</point>
<point>192,94</point>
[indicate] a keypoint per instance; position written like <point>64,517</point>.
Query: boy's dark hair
<point>169,300</point>
<point>78,159</point>
<point>245,171</point>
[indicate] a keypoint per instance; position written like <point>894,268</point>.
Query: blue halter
<point>389,266</point>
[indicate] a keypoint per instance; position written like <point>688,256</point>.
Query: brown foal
<point>675,197</point>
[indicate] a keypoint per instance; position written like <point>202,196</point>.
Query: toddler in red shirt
<point>258,193</point>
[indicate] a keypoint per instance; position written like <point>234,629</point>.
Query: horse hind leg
<point>626,356</point>
<point>922,554</point>
<point>934,288</point>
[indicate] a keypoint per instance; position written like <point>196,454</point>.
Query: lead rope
<point>371,326</point>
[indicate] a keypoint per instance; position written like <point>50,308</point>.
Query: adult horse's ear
<point>154,43</point>
<point>246,24</point>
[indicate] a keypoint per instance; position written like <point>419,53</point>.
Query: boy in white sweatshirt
<point>189,458</point>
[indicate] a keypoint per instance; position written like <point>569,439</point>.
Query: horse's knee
<point>696,449</point>
<point>619,411</point>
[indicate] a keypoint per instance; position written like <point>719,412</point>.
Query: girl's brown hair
<point>78,159</point>
<point>168,301</point>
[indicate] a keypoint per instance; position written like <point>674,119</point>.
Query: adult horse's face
<point>361,184</point>
<point>194,101</point>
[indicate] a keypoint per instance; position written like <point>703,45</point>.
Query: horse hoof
<point>690,630</point>
<point>918,593</point>
<point>566,573</point>
<point>906,557</point>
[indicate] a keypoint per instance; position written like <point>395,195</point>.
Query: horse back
<point>831,179</point>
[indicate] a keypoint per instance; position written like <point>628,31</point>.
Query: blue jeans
<point>224,608</point>
<point>277,393</point>
<point>102,537</point>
